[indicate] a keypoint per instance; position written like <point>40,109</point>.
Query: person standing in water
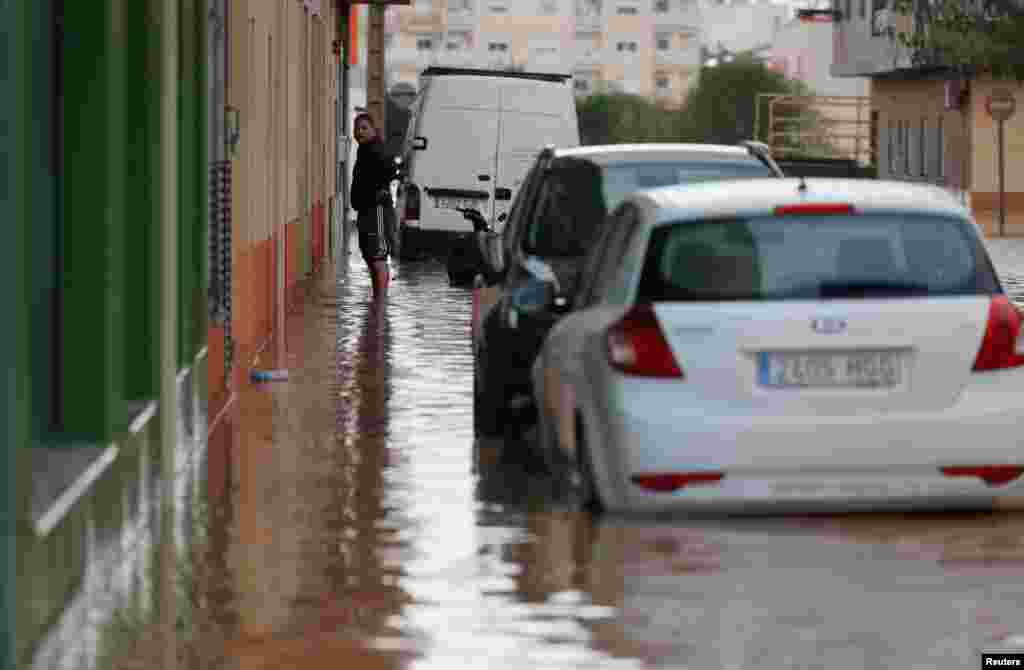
<point>371,198</point>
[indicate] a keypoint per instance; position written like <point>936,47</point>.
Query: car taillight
<point>1001,346</point>
<point>411,211</point>
<point>814,208</point>
<point>637,345</point>
<point>667,482</point>
<point>992,475</point>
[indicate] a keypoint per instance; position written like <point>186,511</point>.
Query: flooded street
<point>352,525</point>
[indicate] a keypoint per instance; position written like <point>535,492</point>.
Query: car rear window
<point>803,257</point>
<point>580,193</point>
<point>621,179</point>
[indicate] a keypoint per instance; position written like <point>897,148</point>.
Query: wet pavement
<point>354,524</point>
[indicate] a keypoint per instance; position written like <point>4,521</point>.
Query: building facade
<point>644,47</point>
<point>931,125</point>
<point>171,166</point>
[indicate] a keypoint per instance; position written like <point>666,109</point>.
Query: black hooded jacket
<point>371,176</point>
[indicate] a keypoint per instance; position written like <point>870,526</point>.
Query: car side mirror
<point>502,217</point>
<point>419,143</point>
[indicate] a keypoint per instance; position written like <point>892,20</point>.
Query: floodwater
<point>354,524</point>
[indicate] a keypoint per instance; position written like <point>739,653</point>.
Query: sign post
<point>1001,105</point>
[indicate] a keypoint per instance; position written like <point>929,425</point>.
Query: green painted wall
<point>92,245</point>
<point>142,157</point>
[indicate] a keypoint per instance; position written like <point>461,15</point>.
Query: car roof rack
<point>439,70</point>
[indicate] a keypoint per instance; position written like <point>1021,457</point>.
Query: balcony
<point>588,55</point>
<point>589,14</point>
<point>459,58</point>
<point>406,57</point>
<point>461,19</point>
<point>686,57</point>
<point>675,14</point>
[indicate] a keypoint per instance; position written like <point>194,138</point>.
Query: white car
<point>747,342</point>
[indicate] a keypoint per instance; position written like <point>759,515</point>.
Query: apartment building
<point>931,127</point>
<point>645,47</point>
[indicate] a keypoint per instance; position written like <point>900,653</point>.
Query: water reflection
<point>360,526</point>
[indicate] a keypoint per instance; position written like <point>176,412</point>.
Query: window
<point>627,10</point>
<point>940,149</point>
<point>863,9</point>
<point>608,262</point>
<point>453,45</point>
<point>905,145</point>
<point>569,211</point>
<point>626,47</point>
<point>881,18</point>
<point>892,148</point>
<point>424,44</point>
<point>497,47</point>
<point>661,6</point>
<point>621,179</point>
<point>800,258</point>
<point>663,43</point>
<point>922,141</point>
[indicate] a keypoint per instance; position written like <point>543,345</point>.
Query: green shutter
<point>142,230</point>
<point>92,297</point>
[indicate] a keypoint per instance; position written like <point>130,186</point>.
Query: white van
<point>472,136</point>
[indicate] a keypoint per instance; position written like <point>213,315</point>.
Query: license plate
<point>862,369</point>
<point>456,203</point>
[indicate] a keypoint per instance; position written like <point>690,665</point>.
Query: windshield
<point>578,194</point>
<point>834,257</point>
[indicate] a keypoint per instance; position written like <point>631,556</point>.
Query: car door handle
<point>502,194</point>
<point>484,177</point>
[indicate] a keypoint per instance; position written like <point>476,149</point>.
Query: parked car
<point>558,212</point>
<point>471,137</point>
<point>745,343</point>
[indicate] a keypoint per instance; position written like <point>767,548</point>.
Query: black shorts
<point>375,229</point>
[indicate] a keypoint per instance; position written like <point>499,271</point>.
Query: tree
<point>613,118</point>
<point>969,37</point>
<point>722,107</point>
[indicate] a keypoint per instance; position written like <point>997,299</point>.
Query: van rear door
<point>460,123</point>
<point>533,114</point>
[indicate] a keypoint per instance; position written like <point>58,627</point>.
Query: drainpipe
<point>167,15</point>
<point>344,35</point>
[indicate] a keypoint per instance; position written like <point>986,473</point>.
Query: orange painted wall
<point>282,80</point>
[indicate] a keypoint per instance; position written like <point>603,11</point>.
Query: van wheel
<point>487,414</point>
<point>589,496</point>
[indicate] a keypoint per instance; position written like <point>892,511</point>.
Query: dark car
<point>535,266</point>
